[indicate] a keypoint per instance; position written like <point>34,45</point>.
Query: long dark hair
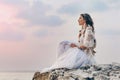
<point>88,20</point>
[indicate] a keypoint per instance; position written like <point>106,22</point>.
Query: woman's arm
<point>88,38</point>
<point>82,47</point>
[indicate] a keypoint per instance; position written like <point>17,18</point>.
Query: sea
<point>16,75</point>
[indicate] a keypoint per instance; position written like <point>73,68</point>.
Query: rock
<point>36,75</point>
<point>42,76</point>
<point>94,72</point>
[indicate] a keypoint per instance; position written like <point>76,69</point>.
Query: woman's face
<point>81,20</point>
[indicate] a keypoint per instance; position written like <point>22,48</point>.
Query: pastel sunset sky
<point>30,30</point>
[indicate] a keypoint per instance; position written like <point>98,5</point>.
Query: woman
<point>75,55</point>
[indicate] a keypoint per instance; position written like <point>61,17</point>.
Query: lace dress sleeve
<point>89,38</point>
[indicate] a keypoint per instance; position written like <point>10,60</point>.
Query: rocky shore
<point>94,72</point>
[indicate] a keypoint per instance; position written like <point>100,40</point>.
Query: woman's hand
<point>73,45</point>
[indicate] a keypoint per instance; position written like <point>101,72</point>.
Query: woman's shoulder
<point>89,28</point>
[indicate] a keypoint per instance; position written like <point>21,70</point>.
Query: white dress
<point>70,58</point>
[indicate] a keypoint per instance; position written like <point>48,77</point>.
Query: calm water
<point>16,75</point>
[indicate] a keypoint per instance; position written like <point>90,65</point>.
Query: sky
<point>31,30</point>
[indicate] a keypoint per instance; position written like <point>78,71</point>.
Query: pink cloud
<point>9,23</point>
<point>8,14</point>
